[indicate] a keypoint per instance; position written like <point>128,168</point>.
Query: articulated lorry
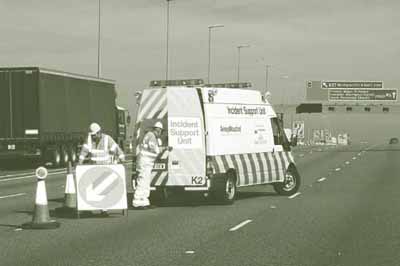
<point>46,113</point>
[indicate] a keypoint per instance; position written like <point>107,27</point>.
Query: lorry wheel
<point>291,184</point>
<point>72,154</point>
<point>64,156</point>
<point>56,158</point>
<point>226,190</point>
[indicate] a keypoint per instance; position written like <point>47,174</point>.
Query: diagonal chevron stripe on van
<point>255,168</point>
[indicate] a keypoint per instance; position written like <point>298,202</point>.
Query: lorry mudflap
<point>254,168</point>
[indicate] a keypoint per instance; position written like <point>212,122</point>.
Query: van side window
<point>278,140</point>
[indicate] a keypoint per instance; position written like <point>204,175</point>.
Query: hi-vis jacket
<point>150,147</point>
<point>102,152</point>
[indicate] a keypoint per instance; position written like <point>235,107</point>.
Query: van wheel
<point>226,190</point>
<point>291,184</point>
<point>64,156</point>
<point>159,196</point>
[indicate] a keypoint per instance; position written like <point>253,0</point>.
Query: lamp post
<point>98,41</point>
<point>166,66</point>
<point>266,77</point>
<point>209,48</point>
<point>238,68</point>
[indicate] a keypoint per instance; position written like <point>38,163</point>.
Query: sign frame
<point>106,185</point>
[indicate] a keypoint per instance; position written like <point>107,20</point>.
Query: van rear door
<point>187,160</point>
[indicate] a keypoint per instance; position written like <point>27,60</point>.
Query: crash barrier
<point>101,187</point>
<point>41,217</point>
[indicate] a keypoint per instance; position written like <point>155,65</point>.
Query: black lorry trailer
<point>46,113</point>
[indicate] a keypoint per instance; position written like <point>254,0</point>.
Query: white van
<point>222,138</point>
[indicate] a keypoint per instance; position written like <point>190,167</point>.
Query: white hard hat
<point>94,128</point>
<point>158,125</point>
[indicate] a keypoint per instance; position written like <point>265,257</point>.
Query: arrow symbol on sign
<point>94,193</point>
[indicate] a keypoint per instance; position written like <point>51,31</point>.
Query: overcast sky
<point>301,40</point>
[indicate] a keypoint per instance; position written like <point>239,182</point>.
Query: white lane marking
<point>240,225</point>
<point>189,252</point>
<point>18,229</point>
<point>272,207</point>
<point>359,154</point>
<point>12,196</point>
<point>294,195</point>
<point>321,179</point>
<point>347,162</point>
<point>338,169</point>
<point>354,158</point>
<point>30,176</point>
<point>30,173</point>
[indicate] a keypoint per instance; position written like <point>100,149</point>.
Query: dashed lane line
<point>237,227</point>
<point>189,252</point>
<point>12,195</point>
<point>294,195</point>
<point>322,179</point>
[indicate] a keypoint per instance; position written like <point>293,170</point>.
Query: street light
<point>98,42</point>
<point>238,69</point>
<point>266,76</point>
<point>209,48</point>
<point>166,67</point>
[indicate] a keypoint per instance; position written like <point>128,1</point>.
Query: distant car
<point>394,141</point>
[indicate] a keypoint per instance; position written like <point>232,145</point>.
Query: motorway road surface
<point>346,214</point>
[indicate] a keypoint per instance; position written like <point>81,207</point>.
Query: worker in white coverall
<point>149,149</point>
<point>100,148</point>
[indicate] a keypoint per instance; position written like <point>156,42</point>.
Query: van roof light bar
<point>231,85</point>
<point>176,82</point>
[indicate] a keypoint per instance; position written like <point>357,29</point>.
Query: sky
<point>300,40</point>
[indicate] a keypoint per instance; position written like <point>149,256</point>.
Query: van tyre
<point>225,188</point>
<point>291,184</point>
<point>159,196</point>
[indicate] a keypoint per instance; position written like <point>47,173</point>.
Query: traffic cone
<point>41,217</point>
<point>70,190</point>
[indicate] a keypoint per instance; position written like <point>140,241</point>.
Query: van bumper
<point>205,187</point>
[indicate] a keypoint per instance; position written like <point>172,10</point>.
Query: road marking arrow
<point>94,194</point>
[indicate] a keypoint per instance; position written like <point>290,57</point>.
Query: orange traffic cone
<point>41,216</point>
<point>70,190</point>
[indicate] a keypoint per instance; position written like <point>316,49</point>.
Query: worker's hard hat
<point>158,125</point>
<point>94,128</point>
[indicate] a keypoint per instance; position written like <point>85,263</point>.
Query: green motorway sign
<point>351,84</point>
<point>362,95</point>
